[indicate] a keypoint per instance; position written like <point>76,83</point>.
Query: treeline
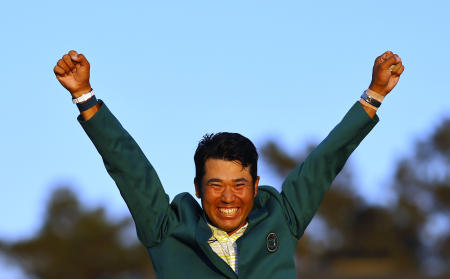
<point>410,238</point>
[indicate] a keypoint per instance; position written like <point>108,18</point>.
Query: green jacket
<point>176,233</point>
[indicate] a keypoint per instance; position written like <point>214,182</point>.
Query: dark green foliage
<point>78,243</point>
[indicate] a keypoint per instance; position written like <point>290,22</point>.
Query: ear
<point>256,186</point>
<point>197,189</point>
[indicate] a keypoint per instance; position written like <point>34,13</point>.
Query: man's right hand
<point>72,71</point>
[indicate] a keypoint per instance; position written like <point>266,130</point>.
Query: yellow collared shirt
<point>225,245</point>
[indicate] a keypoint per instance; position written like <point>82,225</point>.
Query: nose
<point>228,195</point>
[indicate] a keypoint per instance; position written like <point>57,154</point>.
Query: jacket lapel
<point>203,233</point>
<point>257,214</point>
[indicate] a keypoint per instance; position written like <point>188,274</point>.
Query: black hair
<point>225,146</point>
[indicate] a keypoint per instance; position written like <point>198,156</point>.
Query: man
<point>241,230</point>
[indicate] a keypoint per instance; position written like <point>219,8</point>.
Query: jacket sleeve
<point>133,174</point>
<point>305,187</point>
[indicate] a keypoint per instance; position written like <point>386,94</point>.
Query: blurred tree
<point>363,240</point>
<point>78,243</point>
<point>422,184</point>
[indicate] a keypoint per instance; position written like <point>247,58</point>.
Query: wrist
<point>375,95</point>
<point>89,103</point>
<point>83,98</point>
<point>371,99</point>
<point>86,101</point>
<point>79,92</point>
<point>378,89</point>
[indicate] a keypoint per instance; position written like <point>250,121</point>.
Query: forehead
<point>225,170</point>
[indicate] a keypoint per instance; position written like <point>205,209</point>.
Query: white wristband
<point>83,97</point>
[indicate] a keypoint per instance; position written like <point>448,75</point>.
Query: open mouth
<point>228,212</point>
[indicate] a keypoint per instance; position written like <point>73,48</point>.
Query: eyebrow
<point>220,180</point>
<point>240,180</point>
<point>213,180</point>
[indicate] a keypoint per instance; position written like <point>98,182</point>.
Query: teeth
<point>228,211</point>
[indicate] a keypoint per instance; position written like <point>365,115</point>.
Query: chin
<point>230,227</point>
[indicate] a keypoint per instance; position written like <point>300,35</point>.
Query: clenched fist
<point>386,72</point>
<point>72,71</point>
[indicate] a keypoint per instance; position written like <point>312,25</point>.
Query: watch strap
<point>370,100</point>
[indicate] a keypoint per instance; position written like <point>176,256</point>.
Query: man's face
<point>227,193</point>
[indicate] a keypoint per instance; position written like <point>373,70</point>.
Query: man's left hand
<point>386,72</point>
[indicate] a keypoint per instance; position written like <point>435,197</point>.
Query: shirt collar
<point>222,235</point>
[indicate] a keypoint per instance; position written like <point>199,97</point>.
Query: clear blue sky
<point>172,71</point>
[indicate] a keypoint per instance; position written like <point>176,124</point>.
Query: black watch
<point>370,100</point>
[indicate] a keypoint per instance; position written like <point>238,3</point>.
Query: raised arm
<point>125,162</point>
<point>305,186</point>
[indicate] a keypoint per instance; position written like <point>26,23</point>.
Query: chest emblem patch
<point>272,242</point>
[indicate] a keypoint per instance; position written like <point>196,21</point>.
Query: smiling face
<point>227,192</point>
